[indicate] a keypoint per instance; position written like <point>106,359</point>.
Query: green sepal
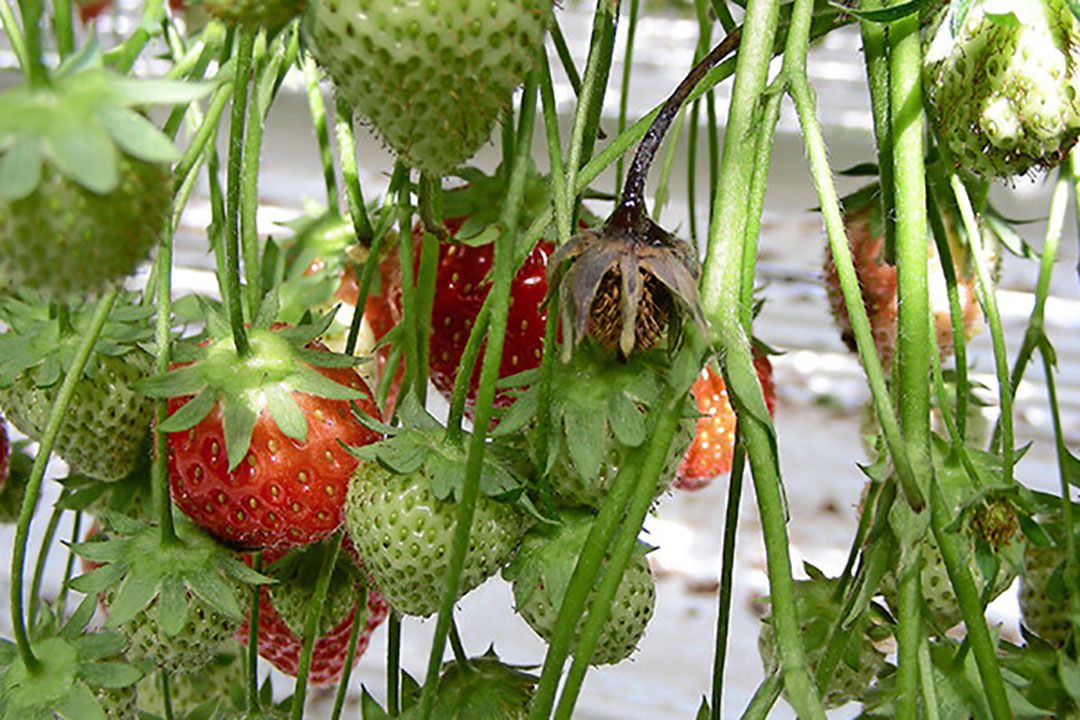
<point>192,412</point>
<point>486,689</point>
<point>110,675</point>
<point>286,413</point>
<point>238,422</point>
<point>99,645</point>
<point>20,168</point>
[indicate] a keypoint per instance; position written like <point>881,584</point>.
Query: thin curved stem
<point>350,176</point>
<point>311,624</point>
<point>350,654</point>
<point>253,639</point>
<point>317,108</point>
<point>62,28</point>
<point>393,664</point>
<point>57,415</point>
<point>624,88</point>
<point>43,558</point>
<point>249,195</point>
<point>727,574</point>
<point>159,469</point>
<point>233,300</point>
<point>14,35</point>
<point>69,566</point>
<point>503,275</point>
<point>123,57</point>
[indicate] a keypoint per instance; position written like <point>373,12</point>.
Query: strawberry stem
<point>354,196</point>
<point>311,623</point>
<point>460,656</point>
<point>249,195</point>
<point>253,639</point>
<point>62,28</point>
<point>243,57</point>
<point>57,415</point>
<point>317,107</point>
<point>69,567</point>
<point>727,572</point>
<point>166,695</point>
<point>503,276</point>
<point>876,57</point>
<point>159,470</point>
<point>393,664</point>
<point>122,58</point>
<point>14,36</point>
<point>624,88</point>
<point>31,11</point>
<point>359,621</point>
<point>42,558</point>
<point>430,206</point>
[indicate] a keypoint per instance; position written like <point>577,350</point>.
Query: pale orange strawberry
<point>714,444</point>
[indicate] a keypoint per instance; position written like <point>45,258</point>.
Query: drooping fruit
<point>431,77</point>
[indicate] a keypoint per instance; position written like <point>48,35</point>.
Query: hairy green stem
<point>350,177</point>
<point>764,698</point>
<point>69,566</point>
<point>42,559</point>
<point>876,55</point>
<point>770,117</point>
<point>233,301</point>
<point>57,415</point>
<point>430,202</point>
<point>317,107</point>
<point>393,664</point>
<point>249,196</point>
<point>253,639</point>
<point>503,274</point>
<point>311,624</point>
<point>567,60</point>
<point>591,98</point>
<point>1063,459</point>
<point>159,468</point>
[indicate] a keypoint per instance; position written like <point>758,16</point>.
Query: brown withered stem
<point>627,281</point>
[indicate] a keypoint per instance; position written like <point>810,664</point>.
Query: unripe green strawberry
<point>118,704</point>
<point>222,679</point>
<point>1044,604</point>
<point>68,242</point>
<point>817,610</point>
<point>486,689</point>
<point>431,76</point>
<point>404,534</point>
<point>199,641</point>
<point>542,570</point>
<point>254,13</point>
<point>1004,89</point>
<point>106,420</point>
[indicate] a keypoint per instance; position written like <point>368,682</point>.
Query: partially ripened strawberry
<point>431,77</point>
<point>402,509</point>
<point>1003,83</point>
<point>541,573</point>
<point>877,279</point>
<point>107,419</point>
<point>256,453</point>
<point>714,443</point>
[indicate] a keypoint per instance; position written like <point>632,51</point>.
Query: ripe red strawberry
<point>283,608</point>
<point>714,444</point>
<point>461,285</point>
<point>279,474</point>
<point>91,9</point>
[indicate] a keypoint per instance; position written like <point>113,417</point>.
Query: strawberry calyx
<point>592,398</point>
<point>487,688</point>
<point>420,444</point>
<point>132,559</point>
<point>39,339</point>
<point>80,122</point>
<point>282,360</point>
<point>71,665</point>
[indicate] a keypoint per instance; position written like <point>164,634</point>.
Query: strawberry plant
<point>269,480</point>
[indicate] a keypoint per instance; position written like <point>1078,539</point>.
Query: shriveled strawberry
<point>255,443</point>
<point>714,443</point>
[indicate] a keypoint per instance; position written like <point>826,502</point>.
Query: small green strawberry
<point>401,511</point>
<point>487,689</point>
<point>222,679</point>
<point>818,607</point>
<point>541,572</point>
<point>1003,83</point>
<point>119,704</point>
<point>107,419</point>
<point>85,187</point>
<point>989,530</point>
<point>1044,602</point>
<point>598,410</point>
<point>430,76</point>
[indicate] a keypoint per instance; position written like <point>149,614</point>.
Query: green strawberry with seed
<point>85,187</point>
<point>107,419</point>
<point>1044,600</point>
<point>541,572</point>
<point>598,416</point>
<point>487,689</point>
<point>119,704</point>
<point>818,607</point>
<point>401,510</point>
<point>432,77</point>
<point>1003,83</point>
<point>222,679</point>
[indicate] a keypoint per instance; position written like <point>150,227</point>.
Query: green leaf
<point>20,168</point>
<point>99,645</point>
<point>192,412</point>
<point>585,430</point>
<point>111,675</point>
<point>286,413</point>
<point>135,593</point>
<point>129,91</point>
<point>86,154</point>
<point>238,420</point>
<point>97,580</point>
<point>79,703</point>
<point>172,606</point>
<point>213,590</point>
<point>625,420</point>
<point>186,380</point>
<point>137,136</point>
<point>311,382</point>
